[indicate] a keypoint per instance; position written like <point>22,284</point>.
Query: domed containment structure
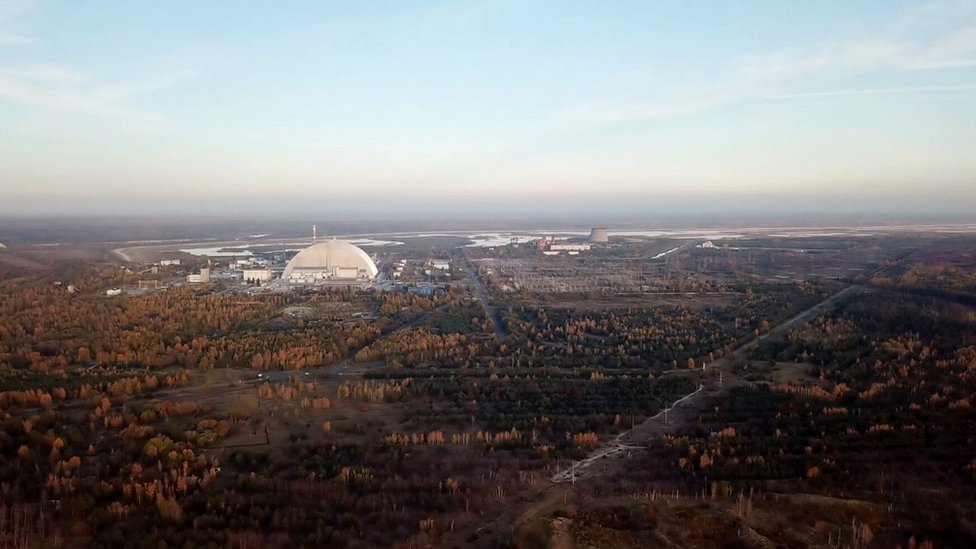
<point>599,234</point>
<point>333,260</point>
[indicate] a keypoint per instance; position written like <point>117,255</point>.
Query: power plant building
<point>333,260</point>
<point>257,275</point>
<point>568,248</point>
<point>599,234</point>
<point>202,278</point>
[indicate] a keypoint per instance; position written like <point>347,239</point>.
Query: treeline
<point>45,328</point>
<point>547,406</point>
<point>886,416</point>
<point>658,338</point>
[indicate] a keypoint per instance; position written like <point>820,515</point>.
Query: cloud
<point>126,90</point>
<point>27,91</point>
<point>10,11</point>
<point>70,91</point>
<point>41,72</point>
<point>67,90</point>
<point>13,39</point>
<point>759,76</point>
<point>906,90</point>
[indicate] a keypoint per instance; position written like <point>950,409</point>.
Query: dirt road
<point>680,412</point>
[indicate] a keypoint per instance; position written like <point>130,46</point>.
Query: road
<point>479,288</point>
<point>676,413</point>
<point>341,368</point>
<point>622,444</point>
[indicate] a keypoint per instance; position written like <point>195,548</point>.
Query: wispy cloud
<point>10,11</point>
<point>907,45</point>
<point>906,90</point>
<point>25,92</point>
<point>70,91</point>
<point>12,39</point>
<point>125,90</point>
<point>41,72</point>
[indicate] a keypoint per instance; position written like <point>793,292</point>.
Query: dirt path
<point>500,526</point>
<point>681,412</point>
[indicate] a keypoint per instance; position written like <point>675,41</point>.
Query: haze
<point>227,107</point>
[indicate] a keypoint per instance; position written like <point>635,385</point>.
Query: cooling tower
<point>599,235</point>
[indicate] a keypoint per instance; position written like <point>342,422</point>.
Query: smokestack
<point>315,236</point>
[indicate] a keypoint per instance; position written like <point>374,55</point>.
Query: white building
<point>569,247</point>
<point>249,262</point>
<point>257,275</point>
<point>201,278</point>
<point>113,292</point>
<point>333,260</point>
<point>168,262</point>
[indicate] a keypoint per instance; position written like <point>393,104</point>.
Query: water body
<point>220,251</point>
<point>243,249</point>
<point>491,240</point>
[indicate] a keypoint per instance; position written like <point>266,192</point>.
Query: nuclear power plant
<point>599,234</point>
<point>333,260</point>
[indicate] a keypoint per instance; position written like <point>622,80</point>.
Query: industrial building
<point>201,278</point>
<point>549,246</point>
<point>333,260</point>
<point>568,248</point>
<point>398,267</point>
<point>599,235</point>
<point>257,275</point>
<point>249,263</point>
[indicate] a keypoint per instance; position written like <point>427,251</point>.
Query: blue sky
<point>243,106</point>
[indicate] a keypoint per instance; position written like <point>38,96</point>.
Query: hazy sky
<point>150,106</point>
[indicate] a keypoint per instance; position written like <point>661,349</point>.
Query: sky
<point>266,107</point>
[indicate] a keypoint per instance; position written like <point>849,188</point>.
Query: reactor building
<point>599,234</point>
<point>330,261</point>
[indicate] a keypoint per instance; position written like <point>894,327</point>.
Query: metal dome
<point>330,260</point>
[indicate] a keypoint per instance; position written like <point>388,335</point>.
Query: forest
<point>193,416</point>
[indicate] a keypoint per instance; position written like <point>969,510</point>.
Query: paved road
<point>479,288</point>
